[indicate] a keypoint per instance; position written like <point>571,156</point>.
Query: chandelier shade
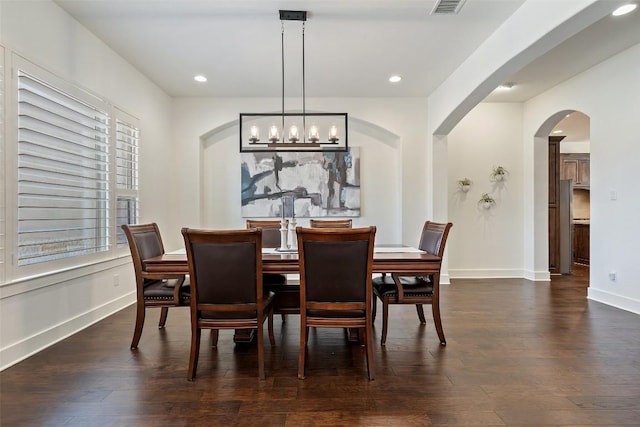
<point>292,131</point>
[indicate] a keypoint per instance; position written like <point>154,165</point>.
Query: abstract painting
<point>321,184</point>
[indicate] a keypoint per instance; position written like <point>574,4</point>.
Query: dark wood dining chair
<point>330,223</point>
<point>276,283</point>
<point>335,284</point>
<point>152,289</point>
<point>225,269</point>
<point>416,290</point>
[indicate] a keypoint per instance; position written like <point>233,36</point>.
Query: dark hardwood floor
<point>519,354</point>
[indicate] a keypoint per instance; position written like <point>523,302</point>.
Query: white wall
<point>390,132</point>
<point>486,242</point>
<point>609,94</point>
<point>37,312</point>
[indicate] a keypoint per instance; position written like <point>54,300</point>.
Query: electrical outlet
<point>116,280</point>
<point>612,276</point>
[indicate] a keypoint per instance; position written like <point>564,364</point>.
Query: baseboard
<point>485,274</point>
<point>618,301</point>
<point>21,350</point>
<point>537,276</point>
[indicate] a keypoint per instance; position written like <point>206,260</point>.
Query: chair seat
<point>159,290</point>
<point>267,300</point>
<point>414,287</point>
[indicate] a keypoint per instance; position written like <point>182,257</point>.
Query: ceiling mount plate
<point>293,15</point>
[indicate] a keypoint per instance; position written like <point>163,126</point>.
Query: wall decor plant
<point>487,201</point>
<point>464,184</point>
<point>499,173</point>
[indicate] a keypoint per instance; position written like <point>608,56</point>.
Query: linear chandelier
<point>293,131</point>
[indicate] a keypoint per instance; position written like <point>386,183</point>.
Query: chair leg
<point>137,331</point>
<point>195,351</point>
<point>164,312</point>
<point>420,313</point>
<point>435,307</point>
<point>374,308</point>
<point>214,337</point>
<point>260,339</point>
<point>272,339</point>
<point>385,320</point>
<point>302,352</point>
<point>284,317</point>
<point>369,349</point>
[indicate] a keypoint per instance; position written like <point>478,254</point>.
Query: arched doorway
<point>569,194</point>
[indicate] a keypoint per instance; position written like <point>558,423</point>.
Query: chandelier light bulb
<point>254,134</point>
<point>333,134</point>
<point>314,135</point>
<point>274,135</point>
<point>294,135</point>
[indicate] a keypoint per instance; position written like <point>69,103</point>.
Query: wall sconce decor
<point>464,184</point>
<point>487,201</point>
<point>293,131</point>
<point>499,173</point>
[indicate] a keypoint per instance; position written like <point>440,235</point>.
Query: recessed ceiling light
<point>623,10</point>
<point>558,131</point>
<point>506,86</point>
<point>200,78</point>
<point>395,78</point>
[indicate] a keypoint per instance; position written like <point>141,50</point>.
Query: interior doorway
<point>569,195</point>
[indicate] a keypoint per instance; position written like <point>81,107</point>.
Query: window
<point>62,173</point>
<point>127,137</point>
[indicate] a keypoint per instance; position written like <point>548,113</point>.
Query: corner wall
<point>37,312</point>
<point>486,242</point>
<point>608,94</point>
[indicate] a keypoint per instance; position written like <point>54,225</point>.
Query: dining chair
<point>417,290</point>
<point>225,269</point>
<point>152,289</point>
<point>335,284</point>
<point>330,223</point>
<point>275,282</point>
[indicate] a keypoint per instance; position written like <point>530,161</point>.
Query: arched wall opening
<point>550,235</point>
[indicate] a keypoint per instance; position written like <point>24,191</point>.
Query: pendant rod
<point>304,107</point>
<point>282,53</point>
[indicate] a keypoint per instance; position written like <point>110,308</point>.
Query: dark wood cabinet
<point>581,243</point>
<point>576,166</point>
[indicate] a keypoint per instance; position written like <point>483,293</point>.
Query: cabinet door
<point>569,170</point>
<point>575,166</point>
<point>583,172</point>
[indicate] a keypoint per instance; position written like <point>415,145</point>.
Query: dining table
<point>386,259</point>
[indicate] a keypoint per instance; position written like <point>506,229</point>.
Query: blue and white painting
<point>322,184</point>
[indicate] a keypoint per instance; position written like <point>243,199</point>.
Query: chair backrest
<point>270,231</point>
<point>434,237</point>
<point>336,264</point>
<point>144,242</point>
<point>224,268</point>
<point>330,223</point>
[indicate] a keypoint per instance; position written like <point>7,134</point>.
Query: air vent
<point>447,7</point>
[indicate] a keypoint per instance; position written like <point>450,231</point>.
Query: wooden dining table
<point>386,259</point>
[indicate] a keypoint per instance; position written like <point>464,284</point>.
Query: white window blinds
<point>63,174</point>
<point>127,138</point>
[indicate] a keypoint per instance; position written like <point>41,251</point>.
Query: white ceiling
<point>352,47</point>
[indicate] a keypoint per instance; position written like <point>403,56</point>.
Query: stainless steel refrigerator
<point>566,226</point>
